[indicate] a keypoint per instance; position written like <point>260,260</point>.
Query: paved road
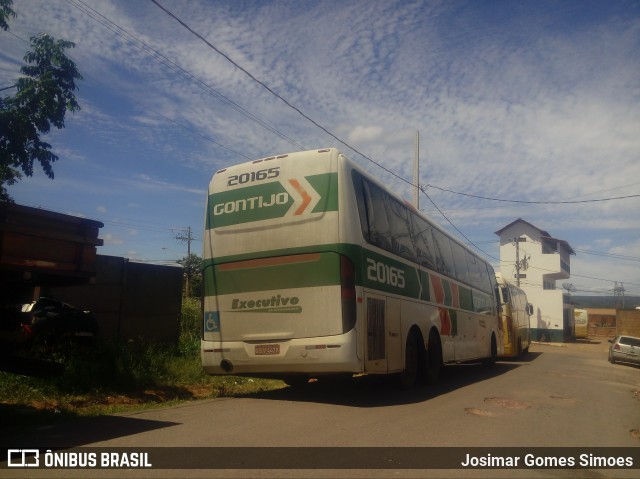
<point>557,396</point>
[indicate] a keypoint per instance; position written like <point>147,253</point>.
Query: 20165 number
<point>383,273</point>
<point>253,176</point>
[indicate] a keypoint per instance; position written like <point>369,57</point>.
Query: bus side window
<point>444,257</point>
<point>379,229</point>
<point>421,233</point>
<point>460,261</point>
<point>358,184</point>
<point>504,295</point>
<point>401,239</point>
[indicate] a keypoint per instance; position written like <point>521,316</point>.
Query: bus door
<point>383,349</point>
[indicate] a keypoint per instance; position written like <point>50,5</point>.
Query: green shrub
<point>190,321</point>
<point>77,373</point>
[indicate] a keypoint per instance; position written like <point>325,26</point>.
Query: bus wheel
<point>434,358</point>
<point>491,360</point>
<point>409,375</point>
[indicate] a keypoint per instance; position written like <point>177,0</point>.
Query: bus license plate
<point>267,349</point>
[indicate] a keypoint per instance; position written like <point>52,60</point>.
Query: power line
<point>195,132</point>
<point>326,130</point>
<point>531,202</point>
<point>173,66</point>
<point>104,21</point>
<point>581,275</point>
<point>277,95</point>
<point>599,253</point>
<point>159,57</point>
<point>456,228</point>
<point>307,117</point>
<point>608,255</point>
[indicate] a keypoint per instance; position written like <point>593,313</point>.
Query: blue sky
<point>521,100</point>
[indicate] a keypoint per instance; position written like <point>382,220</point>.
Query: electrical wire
<point>164,60</point>
<point>569,202</point>
<point>608,255</point>
<point>277,95</point>
<point>314,122</point>
<point>159,57</point>
<point>194,131</point>
<point>326,130</point>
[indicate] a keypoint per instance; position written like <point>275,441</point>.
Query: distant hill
<point>603,302</point>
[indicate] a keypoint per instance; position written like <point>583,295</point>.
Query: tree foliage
<point>44,95</point>
<point>5,12</point>
<point>192,266</point>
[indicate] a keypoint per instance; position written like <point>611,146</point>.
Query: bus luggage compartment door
<point>383,340</point>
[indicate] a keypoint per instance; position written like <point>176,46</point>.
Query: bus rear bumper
<point>325,355</point>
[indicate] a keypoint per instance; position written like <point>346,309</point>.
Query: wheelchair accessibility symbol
<point>212,321</point>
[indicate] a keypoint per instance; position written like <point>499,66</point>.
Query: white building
<point>536,260</point>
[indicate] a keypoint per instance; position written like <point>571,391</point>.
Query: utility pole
<point>185,237</point>
<point>517,244</point>
<point>519,264</point>
<point>570,289</point>
<point>618,294</point>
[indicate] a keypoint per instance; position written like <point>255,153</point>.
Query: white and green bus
<point>313,268</point>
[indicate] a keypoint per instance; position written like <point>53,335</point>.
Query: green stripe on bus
<point>446,286</point>
<point>375,273</point>
<point>327,187</point>
<point>453,314</point>
<point>323,271</point>
<point>466,298</point>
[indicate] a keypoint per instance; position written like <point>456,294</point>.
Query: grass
<point>104,377</point>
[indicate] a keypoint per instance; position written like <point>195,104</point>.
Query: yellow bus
<point>312,267</point>
<point>515,312</point>
<point>581,318</point>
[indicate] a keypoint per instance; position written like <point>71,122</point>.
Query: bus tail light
<point>348,294</point>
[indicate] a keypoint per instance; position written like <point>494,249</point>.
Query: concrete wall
<point>628,322</point>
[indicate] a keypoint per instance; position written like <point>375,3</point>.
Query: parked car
<point>625,349</point>
<point>46,318</point>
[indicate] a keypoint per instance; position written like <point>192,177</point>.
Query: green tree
<point>192,267</point>
<point>5,13</point>
<point>44,94</point>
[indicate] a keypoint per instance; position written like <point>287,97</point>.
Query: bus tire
<point>491,360</point>
<point>409,375</point>
<point>434,358</point>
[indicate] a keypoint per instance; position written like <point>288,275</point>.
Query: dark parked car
<point>625,349</point>
<point>46,318</point>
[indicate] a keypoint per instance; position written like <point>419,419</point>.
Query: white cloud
<point>533,100</point>
<point>110,239</point>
